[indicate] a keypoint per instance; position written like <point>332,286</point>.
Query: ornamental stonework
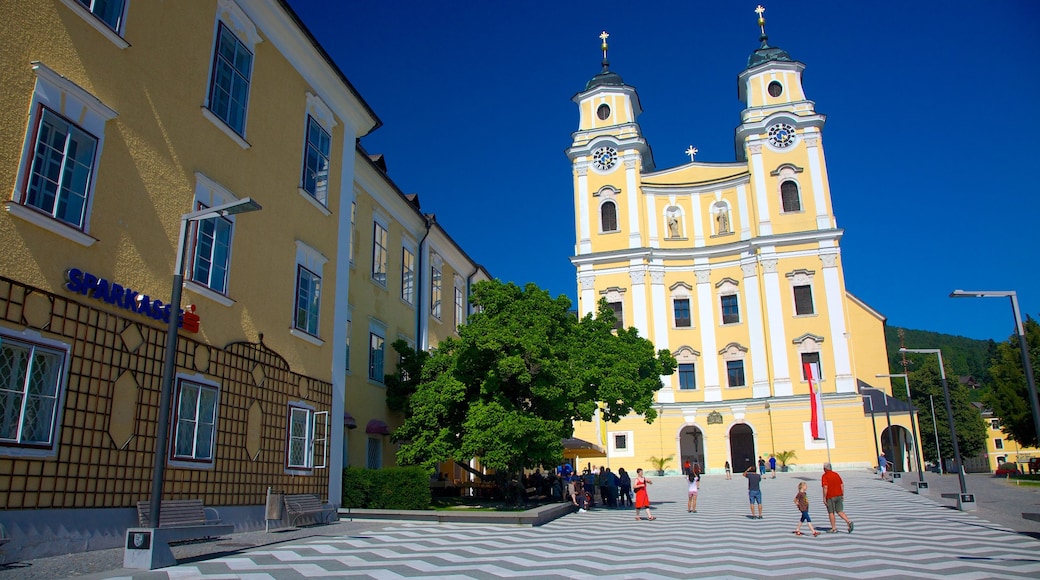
<point>637,276</point>
<point>769,265</point>
<point>829,260</point>
<point>587,282</point>
<point>703,276</point>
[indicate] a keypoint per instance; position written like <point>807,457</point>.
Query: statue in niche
<point>673,225</point>
<point>722,219</point>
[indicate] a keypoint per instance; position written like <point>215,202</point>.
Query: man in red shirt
<point>834,497</point>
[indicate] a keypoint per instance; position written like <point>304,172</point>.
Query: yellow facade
<point>1000,450</point>
<point>117,129</point>
<point>736,269</point>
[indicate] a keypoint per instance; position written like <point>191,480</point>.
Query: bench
<point>300,506</point>
<point>190,519</point>
<point>4,538</point>
<point>1031,516</point>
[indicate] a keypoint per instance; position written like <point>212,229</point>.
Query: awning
<point>574,447</point>
<point>377,427</point>
<point>348,421</point>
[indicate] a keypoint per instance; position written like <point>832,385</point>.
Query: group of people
<point>833,498</point>
<point>615,490</point>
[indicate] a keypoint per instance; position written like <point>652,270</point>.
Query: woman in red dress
<point>642,499</point>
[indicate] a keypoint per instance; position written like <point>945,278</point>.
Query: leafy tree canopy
<point>926,382</point>
<point>521,372</point>
<point>965,356</point>
<point>1009,395</point>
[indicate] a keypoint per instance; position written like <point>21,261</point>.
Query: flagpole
<point>826,431</point>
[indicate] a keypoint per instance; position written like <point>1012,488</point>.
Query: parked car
<point>1006,469</point>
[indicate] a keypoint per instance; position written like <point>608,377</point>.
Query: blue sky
<point>928,141</point>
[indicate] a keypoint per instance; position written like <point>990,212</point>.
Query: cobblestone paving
<point>897,534</point>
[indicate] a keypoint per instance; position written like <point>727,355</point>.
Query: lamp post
<point>964,497</point>
<point>935,431</point>
<point>1027,365</point>
<point>913,424</point>
<point>870,400</point>
<point>170,363</point>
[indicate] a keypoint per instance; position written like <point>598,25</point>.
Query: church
<point>736,269</point>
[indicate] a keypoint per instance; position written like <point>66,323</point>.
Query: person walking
<point>729,472</point>
<point>801,500</point>
<point>642,499</point>
<point>686,467</point>
<point>761,466</point>
<point>610,482</point>
<point>625,482</point>
<point>754,482</point>
<point>694,477</point>
<point>772,465</point>
<point>882,465</point>
<point>834,497</point>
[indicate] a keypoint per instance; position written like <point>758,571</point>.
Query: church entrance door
<point>741,447</point>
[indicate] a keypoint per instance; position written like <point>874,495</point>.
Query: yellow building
<point>736,269</point>
<point>1001,450</point>
<point>124,122</point>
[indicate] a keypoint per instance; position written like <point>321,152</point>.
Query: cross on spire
<point>691,151</point>
<point>603,36</point>
<point>761,19</point>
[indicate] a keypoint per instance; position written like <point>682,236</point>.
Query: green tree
<point>1009,395</point>
<point>401,385</point>
<point>521,372</point>
<point>925,381</point>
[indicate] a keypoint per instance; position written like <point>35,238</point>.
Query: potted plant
<point>660,463</point>
<point>783,457</point>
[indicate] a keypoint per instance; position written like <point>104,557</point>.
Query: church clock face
<point>781,135</point>
<point>604,158</point>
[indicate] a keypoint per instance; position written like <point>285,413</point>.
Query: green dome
<point>606,78</point>
<point>766,53</point>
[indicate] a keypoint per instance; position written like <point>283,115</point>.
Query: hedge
<point>391,488</point>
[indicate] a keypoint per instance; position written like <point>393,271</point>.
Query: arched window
<point>608,217</point>
<point>790,197</point>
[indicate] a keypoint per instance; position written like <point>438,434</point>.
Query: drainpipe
<point>419,343</point>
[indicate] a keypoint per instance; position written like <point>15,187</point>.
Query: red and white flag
<point>816,425</point>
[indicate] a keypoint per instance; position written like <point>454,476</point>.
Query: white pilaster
<point>651,225</point>
<point>843,379</point>
<point>765,227</point>
<point>774,315</point>
<point>638,277</point>
<point>587,287</point>
<point>581,169</point>
<point>706,315</point>
<point>815,154</point>
<point>756,329</point>
<point>743,221</point>
<point>631,190</point>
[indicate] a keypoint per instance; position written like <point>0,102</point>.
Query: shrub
<point>395,488</point>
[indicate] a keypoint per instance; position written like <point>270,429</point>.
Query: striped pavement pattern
<point>897,534</point>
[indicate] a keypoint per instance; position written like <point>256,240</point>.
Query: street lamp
<point>170,364</point>
<point>1020,329</point>
<point>869,399</point>
<point>913,425</point>
<point>964,497</point>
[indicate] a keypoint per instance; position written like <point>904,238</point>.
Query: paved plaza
<point>897,534</point>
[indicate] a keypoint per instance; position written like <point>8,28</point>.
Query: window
<point>374,455</point>
<point>307,433</point>
<point>308,300</point>
<point>353,229</point>
<point>813,360</point>
<point>687,377</point>
<point>379,253</point>
<point>62,169</point>
<point>994,423</point>
<point>57,172</point>
<point>730,309</point>
<point>998,443</point>
<point>195,425</point>
<point>316,161</point>
<point>682,312</point>
<point>789,196</point>
<point>108,11</point>
<point>32,380</point>
<point>435,294</point>
<point>229,86</point>
<point>212,252</point>
<point>735,373</point>
<point>803,302</point>
<point>620,442</point>
<point>775,89</point>
<point>608,217</point>
<point>346,347</point>
<point>407,276</point>
<point>376,354</point>
<point>460,313</point>
<point>619,314</point>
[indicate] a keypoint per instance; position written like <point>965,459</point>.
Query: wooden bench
<point>190,519</point>
<point>300,506</point>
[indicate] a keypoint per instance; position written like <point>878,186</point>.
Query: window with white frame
<point>346,346</point>
<point>998,443</point>
<point>374,453</point>
<point>608,217</point>
<point>686,358</point>
<point>195,423</point>
<point>231,77</point>
<point>316,161</point>
<point>33,375</point>
<point>809,347</point>
<point>620,441</point>
<point>615,298</point>
<point>733,356</point>
<point>812,359</point>
<point>110,12</point>
<point>790,196</point>
<point>408,275</point>
<point>801,282</point>
<point>380,256</point>
<point>994,423</point>
<point>460,303</point>
<point>435,292</point>
<point>59,163</point>
<point>353,230</point>
<point>376,354</point>
<point>209,264</point>
<point>681,306</point>
<point>307,309</point>
<point>729,301</point>
<point>620,444</point>
<point>306,438</point>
